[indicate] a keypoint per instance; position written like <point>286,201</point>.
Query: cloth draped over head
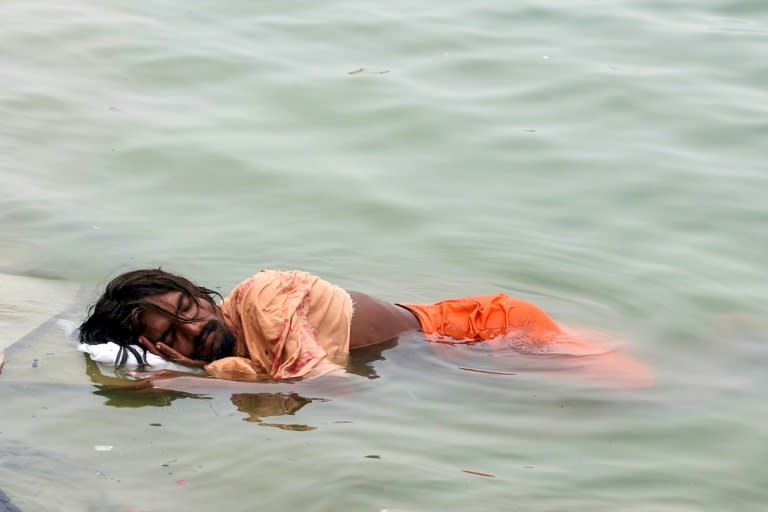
<point>287,324</point>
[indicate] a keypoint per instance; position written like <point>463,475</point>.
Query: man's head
<point>159,310</point>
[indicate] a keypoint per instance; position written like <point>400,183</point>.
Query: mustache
<point>199,341</point>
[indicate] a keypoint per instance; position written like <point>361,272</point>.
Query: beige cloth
<point>287,325</point>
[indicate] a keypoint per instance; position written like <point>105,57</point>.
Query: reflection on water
<point>134,396</point>
<point>258,405</point>
<point>121,392</point>
<point>138,393</point>
<point>361,361</point>
<point>142,393</point>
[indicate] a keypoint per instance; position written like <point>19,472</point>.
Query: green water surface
<point>606,160</point>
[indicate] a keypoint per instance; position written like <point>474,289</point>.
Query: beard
<point>222,347</point>
<point>225,347</point>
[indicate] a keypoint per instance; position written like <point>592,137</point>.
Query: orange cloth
<point>501,319</point>
<point>287,325</point>
<point>484,317</point>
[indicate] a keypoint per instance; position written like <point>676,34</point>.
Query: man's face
<point>191,326</point>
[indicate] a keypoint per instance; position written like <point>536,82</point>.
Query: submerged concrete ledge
<point>6,505</point>
<point>27,302</point>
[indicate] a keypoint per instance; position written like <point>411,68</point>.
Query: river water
<point>606,160</point>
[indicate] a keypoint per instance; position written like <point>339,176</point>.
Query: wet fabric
<point>485,317</point>
<point>502,322</point>
<point>287,324</point>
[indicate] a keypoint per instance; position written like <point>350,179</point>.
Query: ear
<point>145,343</point>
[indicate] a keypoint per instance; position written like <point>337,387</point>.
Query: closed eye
<point>187,308</point>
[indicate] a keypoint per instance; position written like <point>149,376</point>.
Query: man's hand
<point>145,379</point>
<point>170,354</point>
<point>166,352</point>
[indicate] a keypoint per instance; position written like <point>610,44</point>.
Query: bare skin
<point>193,341</point>
<point>375,321</point>
<point>174,340</point>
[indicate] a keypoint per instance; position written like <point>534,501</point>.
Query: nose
<point>190,330</point>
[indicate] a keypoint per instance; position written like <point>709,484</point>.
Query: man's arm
<point>375,321</point>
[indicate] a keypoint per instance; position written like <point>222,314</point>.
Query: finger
<point>169,353</point>
<point>167,374</point>
<point>154,375</point>
<point>144,342</point>
<point>178,357</point>
<point>139,375</point>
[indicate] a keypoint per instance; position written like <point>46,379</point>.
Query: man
<point>283,325</point>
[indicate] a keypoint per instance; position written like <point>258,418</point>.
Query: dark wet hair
<point>114,317</point>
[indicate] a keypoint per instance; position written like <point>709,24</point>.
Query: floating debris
<point>489,372</point>
<point>478,473</point>
<point>363,71</point>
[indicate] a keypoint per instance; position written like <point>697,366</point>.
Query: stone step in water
<point>28,302</point>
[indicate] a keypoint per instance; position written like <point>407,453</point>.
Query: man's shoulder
<point>267,277</point>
